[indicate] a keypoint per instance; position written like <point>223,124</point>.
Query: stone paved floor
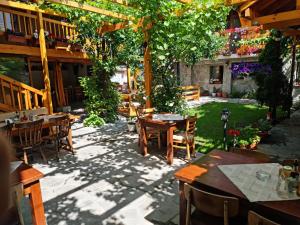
<point>108,182</point>
<point>284,142</point>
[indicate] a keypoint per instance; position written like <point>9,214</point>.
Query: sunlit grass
<point>209,134</point>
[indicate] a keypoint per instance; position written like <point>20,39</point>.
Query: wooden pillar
<point>136,73</point>
<point>291,84</point>
<point>147,71</point>
<point>47,98</point>
<point>59,85</point>
<point>129,79</point>
<point>29,72</point>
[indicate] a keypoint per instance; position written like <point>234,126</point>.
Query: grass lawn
<point>209,134</point>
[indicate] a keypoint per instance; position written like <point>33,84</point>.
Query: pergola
<point>127,21</point>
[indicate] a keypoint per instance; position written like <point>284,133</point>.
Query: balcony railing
<point>22,28</point>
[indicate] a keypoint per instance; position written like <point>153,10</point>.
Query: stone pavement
<point>108,182</point>
<point>284,142</point>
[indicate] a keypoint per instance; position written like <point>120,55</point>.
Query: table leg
<point>38,213</point>
<point>70,140</point>
<point>143,141</point>
<point>170,150</point>
<point>182,204</point>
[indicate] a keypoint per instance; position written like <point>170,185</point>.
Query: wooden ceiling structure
<point>127,21</point>
<point>283,15</point>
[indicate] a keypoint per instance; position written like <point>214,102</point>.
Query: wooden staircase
<point>17,96</point>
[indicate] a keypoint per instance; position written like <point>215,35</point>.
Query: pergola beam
<point>247,5</point>
<point>297,4</point>
<point>93,9</point>
<point>184,1</point>
<point>279,17</point>
<point>24,6</point>
<point>236,2</point>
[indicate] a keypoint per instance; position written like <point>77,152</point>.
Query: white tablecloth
<point>244,177</point>
<point>168,117</point>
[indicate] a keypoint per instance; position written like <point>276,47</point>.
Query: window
<point>216,74</point>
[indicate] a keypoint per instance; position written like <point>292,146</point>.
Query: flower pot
<point>213,94</point>
<point>219,94</point>
<point>263,134</point>
<point>131,126</point>
<point>224,95</point>
<point>76,47</point>
<point>253,146</point>
<point>16,39</point>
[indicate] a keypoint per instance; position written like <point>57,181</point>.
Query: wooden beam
<point>147,70</point>
<point>44,59</point>
<point>60,55</point>
<point>184,1</point>
<point>247,5</point>
<point>282,24</point>
<point>113,27</point>
<point>93,9</point>
<point>236,2</point>
<point>23,6</point>
<point>297,4</point>
<point>279,17</point>
<point>292,33</point>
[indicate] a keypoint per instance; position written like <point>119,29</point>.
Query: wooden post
<point>129,79</point>
<point>43,49</point>
<point>291,84</point>
<point>147,71</point>
<point>59,85</point>
<point>29,72</point>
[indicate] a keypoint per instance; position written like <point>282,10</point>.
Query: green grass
<point>209,134</point>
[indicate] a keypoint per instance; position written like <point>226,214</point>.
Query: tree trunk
<point>274,115</point>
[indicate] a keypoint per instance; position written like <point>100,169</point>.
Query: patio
<point>109,182</point>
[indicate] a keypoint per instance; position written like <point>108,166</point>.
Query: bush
<point>167,96</point>
<point>93,121</point>
<point>248,136</point>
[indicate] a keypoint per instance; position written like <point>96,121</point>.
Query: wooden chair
<point>210,208</point>
<point>256,219</point>
<point>59,132</point>
<point>151,133</point>
<point>186,139</point>
<point>30,137</point>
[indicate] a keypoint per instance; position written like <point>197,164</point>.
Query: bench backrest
<point>191,93</point>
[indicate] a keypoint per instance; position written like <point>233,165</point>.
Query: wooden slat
<point>17,12</point>
<point>297,4</point>
<point>246,5</point>
<point>93,9</point>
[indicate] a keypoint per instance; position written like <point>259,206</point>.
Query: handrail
<point>15,95</point>
<point>27,24</point>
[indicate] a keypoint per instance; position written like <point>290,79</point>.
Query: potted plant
<point>249,138</point>
<point>264,127</point>
<point>131,125</point>
<point>219,93</point>
<point>16,37</point>
<point>61,43</point>
<point>224,94</point>
<point>214,93</point>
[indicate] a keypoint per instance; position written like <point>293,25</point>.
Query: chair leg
<point>70,146</point>
<point>25,156</point>
<point>193,149</point>
<point>57,149</point>
<point>188,154</point>
<point>43,155</point>
<point>159,141</point>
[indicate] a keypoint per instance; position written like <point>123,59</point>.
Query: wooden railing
<point>26,24</point>
<point>17,96</point>
<point>191,93</point>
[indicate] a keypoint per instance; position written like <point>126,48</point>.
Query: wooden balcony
<point>19,35</point>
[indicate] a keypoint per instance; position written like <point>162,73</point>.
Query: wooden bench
<point>191,93</point>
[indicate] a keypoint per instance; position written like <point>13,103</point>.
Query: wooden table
<point>30,178</point>
<point>205,174</point>
<point>167,126</point>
